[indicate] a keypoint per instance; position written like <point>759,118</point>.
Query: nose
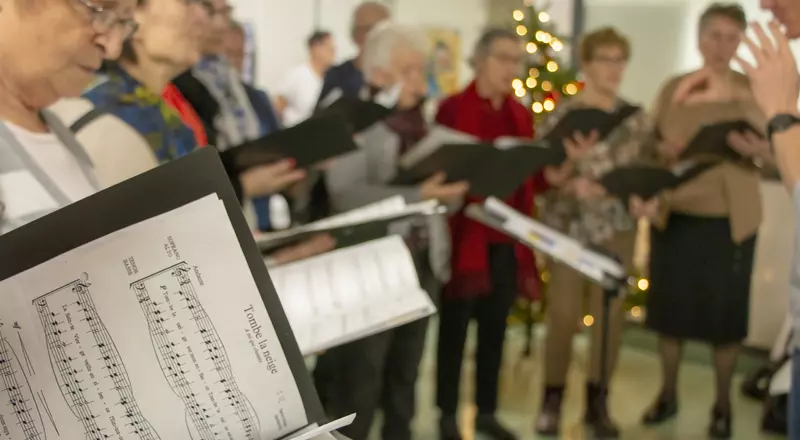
<point>110,43</point>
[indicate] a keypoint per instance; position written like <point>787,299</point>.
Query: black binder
<point>647,181</point>
<point>359,114</point>
<point>490,171</point>
<point>586,120</point>
<point>148,195</point>
<point>309,142</point>
<point>712,141</point>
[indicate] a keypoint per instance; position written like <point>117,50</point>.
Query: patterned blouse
<point>596,221</point>
<point>116,92</point>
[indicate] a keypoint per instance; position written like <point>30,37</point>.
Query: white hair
<point>385,39</point>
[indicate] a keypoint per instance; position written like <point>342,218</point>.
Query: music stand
<point>600,267</point>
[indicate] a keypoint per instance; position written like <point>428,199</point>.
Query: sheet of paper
<point>318,433</point>
<point>394,207</point>
<point>156,331</point>
<point>351,293</point>
<point>557,245</point>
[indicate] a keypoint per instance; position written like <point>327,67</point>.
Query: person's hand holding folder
<point>270,179</point>
<point>313,246</point>
<point>639,208</point>
<point>437,188</point>
<point>579,145</point>
<point>749,144</point>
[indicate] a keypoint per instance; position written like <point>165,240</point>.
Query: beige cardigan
<point>727,190</point>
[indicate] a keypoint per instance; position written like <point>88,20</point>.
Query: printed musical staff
<point>89,371</point>
<point>193,358</point>
<point>17,400</point>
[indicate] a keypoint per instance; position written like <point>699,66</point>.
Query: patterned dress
<point>596,221</point>
<point>116,92</point>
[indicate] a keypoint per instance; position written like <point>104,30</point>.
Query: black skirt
<point>699,280</point>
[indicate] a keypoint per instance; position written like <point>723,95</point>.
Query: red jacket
<point>469,113</point>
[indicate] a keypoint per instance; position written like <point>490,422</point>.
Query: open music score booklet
<point>142,312</point>
<point>351,293</point>
<point>343,225</point>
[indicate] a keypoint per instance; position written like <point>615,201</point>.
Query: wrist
<point>783,110</point>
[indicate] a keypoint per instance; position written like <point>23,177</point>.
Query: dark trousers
<point>491,312</point>
<point>376,372</point>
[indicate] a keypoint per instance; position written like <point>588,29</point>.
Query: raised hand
<point>701,86</point>
<point>773,76</point>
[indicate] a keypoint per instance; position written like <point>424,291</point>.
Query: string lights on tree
<point>547,78</point>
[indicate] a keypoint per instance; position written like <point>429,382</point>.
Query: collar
<point>128,88</point>
<point>472,92</point>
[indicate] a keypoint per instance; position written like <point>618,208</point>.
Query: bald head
<point>365,17</point>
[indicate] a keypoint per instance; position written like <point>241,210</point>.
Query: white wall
<point>282,27</point>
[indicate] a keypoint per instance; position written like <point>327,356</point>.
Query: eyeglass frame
<point>105,20</point>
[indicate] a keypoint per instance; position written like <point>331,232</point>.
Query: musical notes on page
<point>88,367</point>
<point>156,331</point>
<point>193,358</point>
<point>351,293</point>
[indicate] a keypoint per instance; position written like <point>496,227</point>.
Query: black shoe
<point>448,428</point>
<point>549,419</point>
<point>597,412</point>
<point>664,409</point>
<point>720,423</point>
<point>487,424</point>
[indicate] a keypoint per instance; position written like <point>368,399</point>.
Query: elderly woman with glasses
<point>49,49</point>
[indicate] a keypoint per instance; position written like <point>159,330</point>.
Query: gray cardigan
<point>14,158</point>
<point>362,177</point>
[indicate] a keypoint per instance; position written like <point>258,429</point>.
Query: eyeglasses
<point>106,20</point>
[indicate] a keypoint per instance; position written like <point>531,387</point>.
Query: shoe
<point>487,424</point>
<point>597,416</point>
<point>720,423</point>
<point>448,428</point>
<point>549,419</point>
<point>664,409</point>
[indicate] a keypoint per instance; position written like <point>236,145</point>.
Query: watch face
<point>782,122</point>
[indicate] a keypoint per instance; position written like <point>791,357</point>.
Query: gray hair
<point>487,39</point>
<point>385,39</point>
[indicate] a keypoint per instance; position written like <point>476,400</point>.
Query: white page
<point>554,243</point>
<point>156,331</point>
<point>437,136</point>
<point>319,432</point>
<point>394,207</point>
<point>351,293</point>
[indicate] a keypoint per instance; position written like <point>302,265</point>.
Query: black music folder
<point>153,295</point>
<point>647,181</point>
<point>492,169</point>
<point>359,114</point>
<point>586,120</point>
<point>712,141</point>
<point>354,227</point>
<point>310,142</point>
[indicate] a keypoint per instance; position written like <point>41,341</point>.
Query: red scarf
<point>470,262</point>
<point>189,117</point>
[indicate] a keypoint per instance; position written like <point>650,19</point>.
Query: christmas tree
<point>547,78</point>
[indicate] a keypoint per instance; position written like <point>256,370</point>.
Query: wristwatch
<point>781,122</point>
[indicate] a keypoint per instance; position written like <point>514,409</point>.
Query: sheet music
<point>594,265</point>
<point>437,136</point>
<point>153,332</point>
<point>394,207</point>
<point>351,293</point>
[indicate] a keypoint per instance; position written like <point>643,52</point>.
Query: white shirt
<point>56,160</point>
<point>301,90</point>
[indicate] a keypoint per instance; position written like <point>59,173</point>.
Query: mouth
<point>91,70</point>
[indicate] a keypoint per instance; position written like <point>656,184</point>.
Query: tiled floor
<point>635,385</point>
